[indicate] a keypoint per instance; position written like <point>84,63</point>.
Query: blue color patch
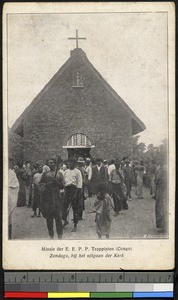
<point>153,295</point>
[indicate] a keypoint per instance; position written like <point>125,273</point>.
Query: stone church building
<point>77,113</point>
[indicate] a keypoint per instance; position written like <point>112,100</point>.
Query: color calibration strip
<point>61,285</point>
<point>111,295</point>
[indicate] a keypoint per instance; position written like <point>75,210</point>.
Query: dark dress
<point>21,176</point>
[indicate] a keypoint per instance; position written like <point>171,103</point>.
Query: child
<point>36,199</point>
<point>102,208</point>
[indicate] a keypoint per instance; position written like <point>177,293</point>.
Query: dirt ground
<point>136,222</point>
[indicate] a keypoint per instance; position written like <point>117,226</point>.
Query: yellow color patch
<point>69,295</point>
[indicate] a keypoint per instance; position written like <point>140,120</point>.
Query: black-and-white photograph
<point>88,125</point>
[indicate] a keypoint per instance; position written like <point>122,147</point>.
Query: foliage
<point>138,148</point>
<point>150,152</point>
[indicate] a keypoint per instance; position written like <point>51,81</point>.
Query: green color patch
<point>111,295</point>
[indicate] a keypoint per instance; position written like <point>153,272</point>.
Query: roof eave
<point>137,127</point>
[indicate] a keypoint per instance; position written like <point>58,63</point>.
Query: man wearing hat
<point>13,188</point>
<point>73,186</point>
<point>128,177</point>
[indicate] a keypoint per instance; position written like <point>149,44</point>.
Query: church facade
<point>77,113</point>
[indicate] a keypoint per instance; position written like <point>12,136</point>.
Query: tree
<point>151,152</point>
<point>138,148</point>
<point>163,151</point>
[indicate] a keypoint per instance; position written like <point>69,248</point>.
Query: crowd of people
<point>57,186</point>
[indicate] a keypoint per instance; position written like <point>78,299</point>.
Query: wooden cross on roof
<point>76,38</point>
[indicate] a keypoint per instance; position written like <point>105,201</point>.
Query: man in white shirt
<point>111,166</point>
<point>73,181</point>
<point>13,188</point>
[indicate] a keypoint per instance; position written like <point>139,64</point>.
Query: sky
<point>128,49</point>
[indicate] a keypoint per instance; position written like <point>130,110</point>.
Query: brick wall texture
<point>64,110</point>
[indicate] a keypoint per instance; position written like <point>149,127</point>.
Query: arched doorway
<point>79,145</point>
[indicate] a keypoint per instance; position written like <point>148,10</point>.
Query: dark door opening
<point>77,152</point>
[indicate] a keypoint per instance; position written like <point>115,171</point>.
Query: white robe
<point>13,188</point>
